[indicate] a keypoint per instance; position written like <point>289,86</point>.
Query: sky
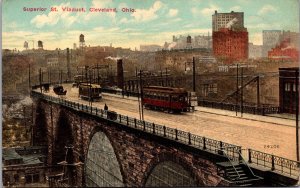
<point>153,22</point>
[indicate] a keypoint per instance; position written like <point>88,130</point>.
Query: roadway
<point>267,134</point>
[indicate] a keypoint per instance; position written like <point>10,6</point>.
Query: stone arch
<point>40,128</point>
<point>63,137</point>
<point>102,163</point>
<point>177,164</point>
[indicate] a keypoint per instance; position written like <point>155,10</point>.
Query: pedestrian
<point>105,107</point>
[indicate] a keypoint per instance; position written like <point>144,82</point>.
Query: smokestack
<point>120,74</point>
<point>68,64</point>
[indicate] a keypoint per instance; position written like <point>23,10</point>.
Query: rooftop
<point>23,155</point>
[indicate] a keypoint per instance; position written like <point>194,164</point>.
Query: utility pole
<point>68,65</point>
<point>31,127</point>
<point>50,76</point>
<point>297,112</point>
<point>237,89</point>
<point>29,79</point>
<point>242,107</point>
<point>161,76</point>
<point>60,77</point>
<point>43,76</point>
<point>86,77</point>
<point>24,115</point>
<point>194,75</point>
<point>90,91</point>
<point>166,77</point>
<point>98,79</point>
<point>40,79</point>
<point>141,87</point>
<point>138,93</point>
<point>257,92</point>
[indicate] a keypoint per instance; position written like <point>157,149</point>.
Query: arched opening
<point>40,128</point>
<point>64,137</point>
<point>170,174</point>
<point>102,168</point>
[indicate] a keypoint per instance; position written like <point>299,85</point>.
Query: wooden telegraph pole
<point>297,112</point>
<point>194,75</point>
<point>237,89</point>
<point>242,104</point>
<point>136,76</point>
<point>141,87</point>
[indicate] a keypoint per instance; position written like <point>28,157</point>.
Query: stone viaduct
<point>107,153</point>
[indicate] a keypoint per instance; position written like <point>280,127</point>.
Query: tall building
<point>255,51</point>
<point>229,45</point>
<point>202,41</point>
<point>230,37</point>
<point>232,20</point>
<point>188,42</point>
<point>293,37</point>
<point>270,39</point>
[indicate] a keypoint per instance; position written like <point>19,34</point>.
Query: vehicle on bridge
<point>46,87</point>
<point>165,98</point>
<point>59,90</point>
<point>112,115</point>
<point>78,79</point>
<point>89,91</point>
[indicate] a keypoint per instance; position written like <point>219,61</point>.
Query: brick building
<point>284,51</point>
<point>230,37</point>
<point>230,45</point>
<point>273,38</point>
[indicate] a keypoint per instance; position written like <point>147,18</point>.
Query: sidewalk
<point>272,118</point>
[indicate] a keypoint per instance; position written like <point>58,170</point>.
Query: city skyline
<point>153,22</point>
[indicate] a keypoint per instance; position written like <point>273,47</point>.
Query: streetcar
<point>165,98</point>
<point>90,92</point>
<point>78,79</point>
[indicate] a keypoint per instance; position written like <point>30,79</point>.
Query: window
<point>287,87</point>
<point>213,88</point>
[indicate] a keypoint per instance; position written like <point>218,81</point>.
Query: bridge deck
<point>267,134</point>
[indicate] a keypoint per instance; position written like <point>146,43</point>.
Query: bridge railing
<point>275,163</point>
<point>251,109</point>
<point>170,133</point>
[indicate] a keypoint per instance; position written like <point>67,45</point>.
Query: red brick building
<point>230,45</point>
<point>284,51</point>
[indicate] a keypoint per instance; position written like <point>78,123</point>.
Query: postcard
<point>156,93</point>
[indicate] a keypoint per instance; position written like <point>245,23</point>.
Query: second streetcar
<point>91,92</point>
